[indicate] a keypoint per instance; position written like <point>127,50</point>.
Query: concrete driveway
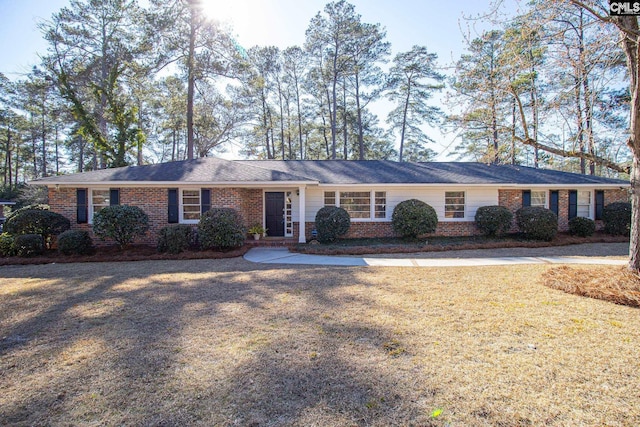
<point>590,253</point>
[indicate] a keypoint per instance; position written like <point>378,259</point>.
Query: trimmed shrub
<point>175,238</point>
<point>493,220</point>
<point>412,218</point>
<point>537,223</point>
<point>31,207</point>
<point>221,228</point>
<point>617,218</point>
<point>582,227</point>
<point>6,245</point>
<point>76,242</point>
<point>121,223</point>
<point>331,223</point>
<point>27,245</point>
<point>37,221</point>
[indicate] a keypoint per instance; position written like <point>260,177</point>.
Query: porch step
<point>271,242</point>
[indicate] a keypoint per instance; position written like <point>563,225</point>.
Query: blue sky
<point>435,24</point>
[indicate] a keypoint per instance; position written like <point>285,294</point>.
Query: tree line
<point>121,84</point>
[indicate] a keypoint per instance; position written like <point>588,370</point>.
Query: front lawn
<point>227,342</point>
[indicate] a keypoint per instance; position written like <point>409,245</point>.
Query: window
<point>454,204</point>
<point>584,204</point>
<point>191,205</point>
<point>359,204</point>
<point>381,205</point>
<point>539,199</point>
<point>99,200</point>
<point>329,198</point>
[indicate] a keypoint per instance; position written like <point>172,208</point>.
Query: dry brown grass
<point>615,284</point>
<point>226,342</point>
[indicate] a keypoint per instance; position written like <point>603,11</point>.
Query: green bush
<point>493,220</point>
<point>617,218</point>
<point>331,223</point>
<point>582,227</point>
<point>6,245</point>
<point>221,228</point>
<point>175,238</point>
<point>412,218</point>
<point>121,223</point>
<point>37,221</point>
<point>537,223</point>
<point>77,242</point>
<point>31,207</point>
<point>27,245</point>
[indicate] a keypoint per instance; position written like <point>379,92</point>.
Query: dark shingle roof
<point>203,170</point>
<point>390,172</point>
<point>338,172</point>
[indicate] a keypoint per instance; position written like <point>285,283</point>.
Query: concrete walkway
<point>605,255</point>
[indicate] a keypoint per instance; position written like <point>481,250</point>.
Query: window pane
<point>381,204</point>
<point>584,204</point>
<point>539,198</point>
<point>100,197</point>
<point>454,204</point>
<point>329,198</point>
<point>191,205</point>
<point>357,203</point>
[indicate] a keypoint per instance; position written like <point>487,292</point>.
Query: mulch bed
<point>390,246</point>
<point>618,284</point>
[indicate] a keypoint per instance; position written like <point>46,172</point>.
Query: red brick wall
<point>249,202</point>
<point>154,201</point>
<point>512,199</point>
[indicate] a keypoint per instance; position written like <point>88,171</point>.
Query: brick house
<point>284,196</point>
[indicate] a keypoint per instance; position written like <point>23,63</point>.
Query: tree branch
<point>576,154</point>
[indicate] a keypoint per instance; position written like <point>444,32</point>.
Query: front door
<point>274,213</point>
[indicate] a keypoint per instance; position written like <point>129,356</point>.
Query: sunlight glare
<point>245,17</point>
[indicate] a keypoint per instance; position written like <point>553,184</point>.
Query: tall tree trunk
<point>631,44</point>
<point>299,114</point>
<point>334,103</point>
<point>44,138</point>
<point>403,128</point>
<point>9,155</point>
<point>191,79</point>
<point>579,123</point>
<point>344,119</point>
<point>359,118</point>
<point>513,132</point>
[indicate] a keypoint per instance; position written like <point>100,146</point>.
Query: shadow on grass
<point>191,342</point>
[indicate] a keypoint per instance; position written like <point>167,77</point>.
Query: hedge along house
<point>284,196</point>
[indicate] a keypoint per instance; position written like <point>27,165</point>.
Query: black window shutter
<point>205,200</point>
<point>526,198</point>
<point>573,204</point>
<point>554,202</point>
<point>599,203</point>
<point>82,206</point>
<point>114,196</point>
<point>173,207</point>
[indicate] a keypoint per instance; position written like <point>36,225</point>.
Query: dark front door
<point>274,213</point>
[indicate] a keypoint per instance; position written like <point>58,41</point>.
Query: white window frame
<point>545,195</point>
<point>464,205</point>
<point>589,206</point>
<point>91,211</point>
<point>181,206</point>
<point>374,196</point>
